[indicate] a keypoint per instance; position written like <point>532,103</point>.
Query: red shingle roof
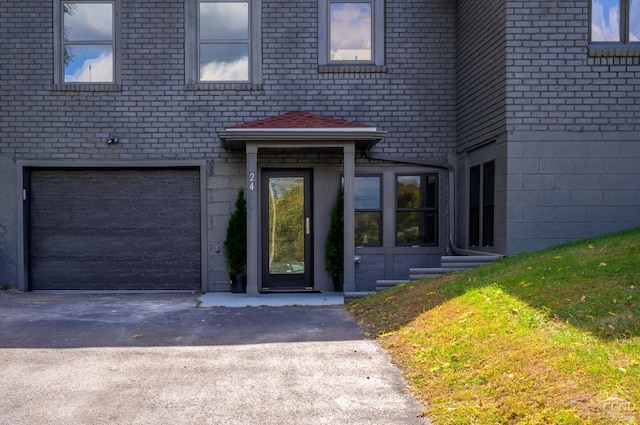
<point>300,119</point>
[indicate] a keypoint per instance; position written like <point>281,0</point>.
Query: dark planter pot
<point>338,283</point>
<point>239,284</point>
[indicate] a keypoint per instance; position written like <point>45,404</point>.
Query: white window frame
<point>377,38</point>
<point>192,44</point>
<point>58,44</point>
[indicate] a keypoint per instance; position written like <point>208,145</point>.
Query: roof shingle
<point>300,119</point>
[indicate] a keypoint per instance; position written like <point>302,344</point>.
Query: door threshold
<point>289,291</point>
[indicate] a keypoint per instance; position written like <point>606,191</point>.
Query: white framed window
<point>351,32</point>
<point>85,48</point>
<point>615,21</point>
<point>223,41</point>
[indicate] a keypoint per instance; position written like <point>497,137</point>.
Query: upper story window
<point>368,211</point>
<point>86,50</point>
<point>417,209</point>
<point>615,21</point>
<point>351,32</point>
<point>223,41</point>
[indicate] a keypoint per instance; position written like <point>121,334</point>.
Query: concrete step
<point>469,258</point>
<point>350,296</point>
<point>449,264</point>
<point>386,284</point>
<point>424,276</point>
<point>458,265</point>
<point>428,270</point>
<point>460,262</point>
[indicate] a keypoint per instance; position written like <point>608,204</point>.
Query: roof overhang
<point>235,139</point>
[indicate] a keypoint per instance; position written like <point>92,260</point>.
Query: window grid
<point>482,204</point>
<point>87,55</point>
<point>368,210</point>
<point>221,43</point>
<point>416,209</point>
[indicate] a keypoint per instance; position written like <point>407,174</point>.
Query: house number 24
<point>252,181</point>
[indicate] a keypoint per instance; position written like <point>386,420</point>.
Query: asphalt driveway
<point>157,358</point>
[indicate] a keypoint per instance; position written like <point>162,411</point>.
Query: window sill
<point>223,87</point>
<point>76,87</point>
<point>351,69</point>
<point>614,50</point>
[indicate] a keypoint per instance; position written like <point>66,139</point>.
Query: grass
<point>551,337</point>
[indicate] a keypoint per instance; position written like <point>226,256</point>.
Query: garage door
<point>114,229</point>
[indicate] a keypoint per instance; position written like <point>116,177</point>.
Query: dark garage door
<point>114,229</point>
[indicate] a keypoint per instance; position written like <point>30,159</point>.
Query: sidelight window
<point>481,204</point>
<point>368,211</point>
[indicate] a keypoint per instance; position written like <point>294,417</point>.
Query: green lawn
<point>551,337</point>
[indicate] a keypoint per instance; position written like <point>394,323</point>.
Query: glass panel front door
<point>286,230</point>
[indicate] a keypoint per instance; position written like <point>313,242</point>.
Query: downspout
<point>451,244</point>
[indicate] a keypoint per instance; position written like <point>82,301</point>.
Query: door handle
<point>307,223</point>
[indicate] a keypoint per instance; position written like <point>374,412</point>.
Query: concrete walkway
<point>149,359</point>
<point>227,299</point>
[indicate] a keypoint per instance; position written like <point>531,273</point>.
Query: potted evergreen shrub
<point>334,245</point>
<point>235,245</point>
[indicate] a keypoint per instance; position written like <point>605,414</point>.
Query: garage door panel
<point>117,243</point>
<point>118,184</point>
<point>115,229</point>
<point>114,214</point>
<point>152,274</point>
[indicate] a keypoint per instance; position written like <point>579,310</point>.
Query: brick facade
<point>157,116</point>
<point>573,121</point>
<point>564,126</point>
<point>514,79</point>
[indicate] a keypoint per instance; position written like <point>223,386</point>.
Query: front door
<point>286,230</point>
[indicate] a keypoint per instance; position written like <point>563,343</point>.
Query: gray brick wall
<point>413,100</point>
<point>555,83</point>
<point>570,116</point>
<point>481,106</point>
<point>158,117</point>
<point>481,71</point>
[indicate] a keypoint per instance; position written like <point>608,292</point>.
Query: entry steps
<point>448,263</point>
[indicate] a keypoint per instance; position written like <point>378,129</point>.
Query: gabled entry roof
<point>303,127</point>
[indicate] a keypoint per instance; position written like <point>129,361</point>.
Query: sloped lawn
<point>551,337</point>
